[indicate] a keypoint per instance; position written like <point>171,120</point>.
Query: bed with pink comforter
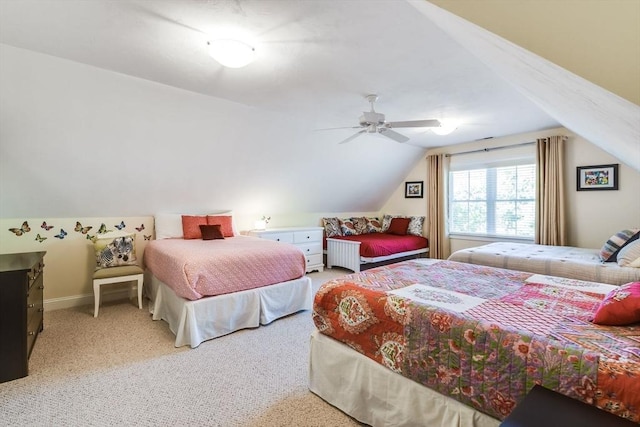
<point>199,268</point>
<point>205,289</point>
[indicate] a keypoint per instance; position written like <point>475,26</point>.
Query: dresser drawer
<point>311,248</point>
<point>314,260</point>
<point>278,237</point>
<point>307,236</point>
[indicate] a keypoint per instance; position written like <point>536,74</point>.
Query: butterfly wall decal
<point>80,229</point>
<point>147,237</point>
<point>20,231</point>
<point>45,226</point>
<point>92,238</point>
<point>103,229</point>
<point>120,226</point>
<point>140,228</point>
<point>61,234</point>
<point>40,239</point>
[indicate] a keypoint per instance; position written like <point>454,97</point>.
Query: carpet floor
<point>122,368</point>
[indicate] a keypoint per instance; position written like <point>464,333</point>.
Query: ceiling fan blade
<point>414,124</point>
<point>352,137</point>
<point>393,135</point>
<point>344,127</point>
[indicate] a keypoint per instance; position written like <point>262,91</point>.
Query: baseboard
<point>87,299</point>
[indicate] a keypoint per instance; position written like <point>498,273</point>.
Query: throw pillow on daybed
<point>415,225</point>
<point>620,307</point>
<point>115,250</point>
<point>331,227</point>
<point>211,232</point>
<point>374,225</point>
<point>629,255</point>
<point>399,226</point>
<point>609,251</point>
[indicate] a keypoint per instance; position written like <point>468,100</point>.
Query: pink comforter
<point>198,268</point>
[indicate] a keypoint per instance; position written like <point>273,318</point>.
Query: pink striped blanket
<point>199,268</point>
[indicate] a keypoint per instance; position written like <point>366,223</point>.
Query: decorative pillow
<point>191,226</point>
<point>386,222</point>
<point>233,224</point>
<point>360,224</point>
<point>224,221</point>
<point>399,226</point>
<point>620,307</point>
<point>347,227</point>
<point>415,225</point>
<point>629,254</point>
<point>211,232</point>
<point>374,225</point>
<point>616,242</point>
<point>114,251</point>
<point>168,226</point>
<point>331,227</point>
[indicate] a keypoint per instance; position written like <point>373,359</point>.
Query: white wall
<point>592,216</point>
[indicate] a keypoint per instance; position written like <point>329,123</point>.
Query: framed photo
<point>413,189</point>
<point>600,177</point>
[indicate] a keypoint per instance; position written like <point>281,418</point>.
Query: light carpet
<point>122,368</point>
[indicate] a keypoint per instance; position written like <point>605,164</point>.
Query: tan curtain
<point>438,242</point>
<point>550,207</point>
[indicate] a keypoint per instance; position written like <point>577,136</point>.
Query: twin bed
<point>429,342</point>
<point>208,288</point>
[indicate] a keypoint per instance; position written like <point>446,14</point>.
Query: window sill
<point>490,238</point>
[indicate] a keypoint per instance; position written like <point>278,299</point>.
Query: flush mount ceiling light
<point>445,128</point>
<point>231,53</point>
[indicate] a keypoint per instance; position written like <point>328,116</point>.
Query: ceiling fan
<point>374,122</point>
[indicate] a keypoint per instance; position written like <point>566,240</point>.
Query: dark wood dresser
<point>21,311</point>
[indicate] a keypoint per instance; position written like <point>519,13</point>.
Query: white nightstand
<point>309,239</point>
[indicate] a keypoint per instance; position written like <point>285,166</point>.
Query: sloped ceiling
<point>114,108</point>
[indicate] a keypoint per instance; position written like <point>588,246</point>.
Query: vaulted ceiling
<point>131,81</point>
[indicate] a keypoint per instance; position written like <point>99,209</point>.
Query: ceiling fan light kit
<point>374,122</point>
<point>231,53</point>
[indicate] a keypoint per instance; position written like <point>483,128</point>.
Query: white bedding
<point>196,321</point>
<point>562,261</point>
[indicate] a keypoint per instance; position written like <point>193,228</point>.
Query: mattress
<point>373,245</point>
<point>198,268</point>
<point>562,261</point>
<point>484,336</point>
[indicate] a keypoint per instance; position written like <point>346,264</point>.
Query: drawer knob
<point>41,287</point>
<point>41,310</point>
<point>31,333</point>
<point>278,239</point>
<point>30,305</point>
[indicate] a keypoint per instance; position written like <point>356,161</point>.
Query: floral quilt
<point>484,335</point>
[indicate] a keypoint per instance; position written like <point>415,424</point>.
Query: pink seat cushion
<point>383,244</point>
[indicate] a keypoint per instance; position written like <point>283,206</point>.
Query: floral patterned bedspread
<point>484,335</point>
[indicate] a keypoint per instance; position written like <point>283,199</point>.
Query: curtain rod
<point>490,149</point>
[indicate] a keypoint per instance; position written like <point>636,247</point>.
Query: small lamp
<point>231,53</point>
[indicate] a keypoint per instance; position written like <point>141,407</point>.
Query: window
<point>497,201</point>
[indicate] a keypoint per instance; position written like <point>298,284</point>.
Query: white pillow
<point>168,226</point>
<point>629,255</point>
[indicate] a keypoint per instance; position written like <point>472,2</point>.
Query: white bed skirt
<point>196,321</point>
<point>375,395</point>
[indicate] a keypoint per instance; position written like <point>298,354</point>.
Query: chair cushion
<point>125,270</point>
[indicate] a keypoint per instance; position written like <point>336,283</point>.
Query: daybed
<point>208,288</point>
<point>352,242</point>
<point>563,261</point>
<point>443,343</point>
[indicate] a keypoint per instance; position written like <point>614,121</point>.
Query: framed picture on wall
<point>413,189</point>
<point>599,177</point>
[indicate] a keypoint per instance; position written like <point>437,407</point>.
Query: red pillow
<point>399,226</point>
<point>191,226</point>
<point>620,307</point>
<point>211,232</point>
<point>225,222</point>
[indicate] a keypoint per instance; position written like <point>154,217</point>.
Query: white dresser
<point>309,239</point>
